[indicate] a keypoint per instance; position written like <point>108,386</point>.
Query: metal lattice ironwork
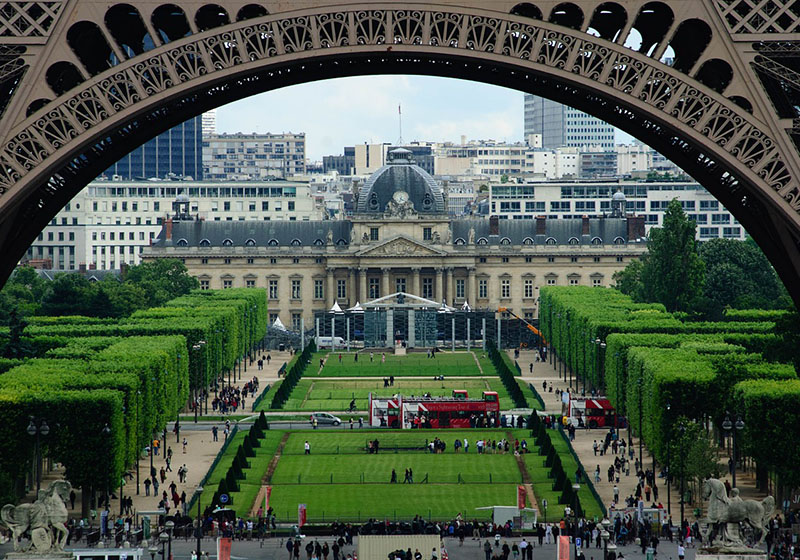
<point>113,76</point>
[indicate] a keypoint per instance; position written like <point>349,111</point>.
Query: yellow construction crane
<point>533,329</point>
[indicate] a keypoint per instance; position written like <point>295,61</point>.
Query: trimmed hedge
<point>294,372</point>
<point>506,373</point>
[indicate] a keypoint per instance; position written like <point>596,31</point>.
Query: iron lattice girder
<point>47,157</point>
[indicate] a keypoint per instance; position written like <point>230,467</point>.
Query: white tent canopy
<point>466,306</point>
<point>278,324</point>
<point>356,308</point>
<point>336,308</point>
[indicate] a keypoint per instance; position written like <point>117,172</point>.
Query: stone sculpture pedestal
<point>744,554</point>
<point>39,556</point>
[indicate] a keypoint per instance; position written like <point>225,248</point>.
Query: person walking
<point>185,443</point>
<point>307,448</point>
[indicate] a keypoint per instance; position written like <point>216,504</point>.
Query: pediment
<point>401,246</point>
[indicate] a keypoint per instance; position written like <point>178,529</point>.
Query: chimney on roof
<point>541,223</point>
<point>635,228</point>
<point>82,267</point>
<point>585,225</point>
<point>494,225</point>
<point>168,229</point>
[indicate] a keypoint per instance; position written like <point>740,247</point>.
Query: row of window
<point>374,286</point>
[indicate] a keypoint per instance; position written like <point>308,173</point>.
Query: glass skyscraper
<point>178,151</point>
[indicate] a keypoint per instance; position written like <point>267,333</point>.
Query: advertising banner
<point>521,494</point>
<point>301,515</point>
<point>563,548</point>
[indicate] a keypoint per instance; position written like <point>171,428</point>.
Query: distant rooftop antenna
<point>400,122</point>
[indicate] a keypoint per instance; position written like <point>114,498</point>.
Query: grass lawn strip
<point>412,365</point>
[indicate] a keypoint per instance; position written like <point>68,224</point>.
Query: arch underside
<point>735,160</point>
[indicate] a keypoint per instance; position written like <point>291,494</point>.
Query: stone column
<point>416,288</point>
<point>412,338</point>
<point>471,287</point>
<point>438,289</point>
<point>362,281</point>
<point>385,281</point>
<point>330,295</point>
<point>451,285</point>
<point>351,287</point>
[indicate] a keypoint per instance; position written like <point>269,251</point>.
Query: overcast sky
<point>347,111</point>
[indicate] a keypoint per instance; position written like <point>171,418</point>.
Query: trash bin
<point>649,553</point>
<point>281,347</point>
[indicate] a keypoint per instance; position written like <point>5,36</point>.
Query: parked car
<point>325,418</point>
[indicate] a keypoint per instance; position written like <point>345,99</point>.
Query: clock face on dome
<point>400,197</point>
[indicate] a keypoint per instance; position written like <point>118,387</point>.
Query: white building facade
<point>244,157</point>
<point>108,223</point>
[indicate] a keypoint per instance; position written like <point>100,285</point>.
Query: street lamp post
<point>170,525</point>
<point>37,427</point>
<point>682,430</point>
<point>575,488</point>
<point>153,550</point>
<point>733,427</point>
<point>605,535</point>
<point>199,531</point>
<point>163,538</point>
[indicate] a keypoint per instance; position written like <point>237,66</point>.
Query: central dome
<point>400,175</point>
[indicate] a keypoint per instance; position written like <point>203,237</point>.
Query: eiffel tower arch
<point>84,82</point>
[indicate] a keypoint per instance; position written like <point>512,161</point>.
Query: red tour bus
<point>401,411</point>
<point>593,412</point>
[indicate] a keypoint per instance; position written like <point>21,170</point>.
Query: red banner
<point>223,548</point>
<point>563,548</point>
<point>521,494</point>
<point>301,515</point>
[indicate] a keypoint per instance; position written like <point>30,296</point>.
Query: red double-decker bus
<point>434,412</point>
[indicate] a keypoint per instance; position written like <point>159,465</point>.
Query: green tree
<point>69,294</point>
<point>788,328</point>
<point>629,280</point>
<point>672,271</point>
<point>161,280</point>
<point>23,291</point>
<point>17,347</point>
<point>739,275</point>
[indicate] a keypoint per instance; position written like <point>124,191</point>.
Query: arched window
<point>568,15</point>
<point>690,40</point>
<point>227,243</point>
<point>62,77</point>
<point>608,21</point>
<point>205,243</point>
<point>211,16</point>
<point>483,241</point>
<point>619,241</point>
<point>319,242</point>
<point>170,23</point>
<point>505,241</point>
<point>460,241</point>
<point>296,243</point>
<point>126,26</point>
<point>273,242</point>
<point>250,242</point>
<point>526,9</point>
<point>597,241</point>
<point>550,241</point>
<point>716,74</point>
<point>251,11</point>
<point>90,46</point>
<point>182,243</point>
<point>527,241</point>
<point>574,241</point>
<point>341,242</point>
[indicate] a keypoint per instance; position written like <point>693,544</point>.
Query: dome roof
<point>619,195</point>
<point>400,176</point>
<point>183,197</point>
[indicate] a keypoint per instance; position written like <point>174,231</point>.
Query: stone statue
<point>365,238</point>
<point>436,238</point>
<point>43,521</point>
<point>448,236</point>
<point>471,236</point>
<point>329,238</point>
<point>353,238</point>
<point>726,513</point>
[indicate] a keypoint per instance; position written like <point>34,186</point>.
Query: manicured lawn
<point>449,468</point>
<point>335,395</point>
<point>328,502</point>
<point>415,364</point>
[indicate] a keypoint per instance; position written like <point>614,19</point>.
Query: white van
<point>329,342</point>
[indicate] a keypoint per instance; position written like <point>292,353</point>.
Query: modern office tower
<point>561,125</point>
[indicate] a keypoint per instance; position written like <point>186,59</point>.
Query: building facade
<point>574,199</point>
<point>109,223</point>
<point>401,239</point>
<point>244,157</point>
<point>561,125</point>
<point>177,152</point>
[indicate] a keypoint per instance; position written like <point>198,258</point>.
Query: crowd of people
<point>229,399</point>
